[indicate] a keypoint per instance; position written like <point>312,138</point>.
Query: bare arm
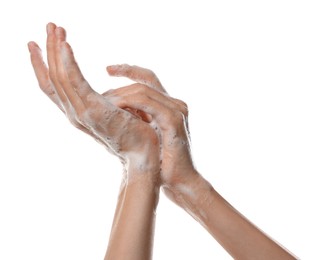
<point>133,227</point>
<point>181,181</point>
<point>240,238</point>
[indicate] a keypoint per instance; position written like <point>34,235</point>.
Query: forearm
<point>133,226</point>
<point>240,238</point>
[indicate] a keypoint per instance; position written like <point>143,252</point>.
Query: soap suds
<point>184,189</point>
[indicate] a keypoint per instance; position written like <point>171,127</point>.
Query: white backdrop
<point>250,72</point>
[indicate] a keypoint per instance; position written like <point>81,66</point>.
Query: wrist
<point>186,177</point>
<point>141,186</point>
<point>142,167</point>
<point>188,191</point>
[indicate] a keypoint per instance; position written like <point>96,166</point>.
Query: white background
<point>251,74</point>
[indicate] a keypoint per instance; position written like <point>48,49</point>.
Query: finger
<point>143,90</point>
<point>164,114</point>
<point>51,46</point>
<point>51,56</point>
<point>62,76</point>
<point>44,81</point>
<point>137,113</point>
<point>137,74</point>
<point>77,88</point>
<point>42,75</point>
<point>73,72</point>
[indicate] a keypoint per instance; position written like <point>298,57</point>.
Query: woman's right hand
<point>169,115</point>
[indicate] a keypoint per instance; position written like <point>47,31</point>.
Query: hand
<point>182,183</point>
<point>126,135</point>
<point>168,114</point>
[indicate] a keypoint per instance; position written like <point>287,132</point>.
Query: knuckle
<point>61,80</point>
<point>140,88</point>
<point>178,118</point>
<point>183,107</point>
<point>118,101</point>
<point>185,111</point>
<point>151,74</point>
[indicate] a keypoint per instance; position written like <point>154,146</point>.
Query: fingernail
<point>111,68</point>
<point>60,33</point>
<point>48,28</point>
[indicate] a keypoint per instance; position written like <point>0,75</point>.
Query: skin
<point>122,132</point>
<point>181,181</point>
<point>146,117</point>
